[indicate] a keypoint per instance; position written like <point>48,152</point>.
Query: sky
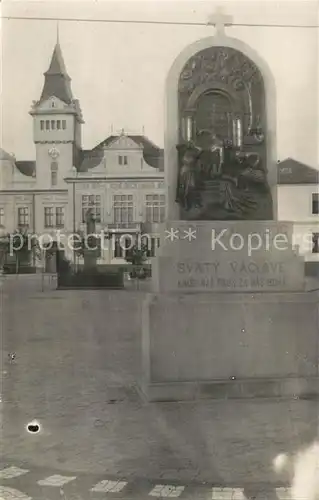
<point>118,69</point>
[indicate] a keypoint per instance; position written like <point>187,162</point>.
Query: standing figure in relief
<point>217,148</point>
<point>188,195</point>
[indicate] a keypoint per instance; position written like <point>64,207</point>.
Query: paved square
<point>109,486</point>
<point>228,494</point>
<point>284,494</point>
<point>166,491</point>
<point>56,480</point>
<point>78,360</point>
<point>11,472</point>
<point>12,494</point>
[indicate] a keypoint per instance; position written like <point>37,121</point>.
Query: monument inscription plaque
<point>227,256</point>
<point>230,275</point>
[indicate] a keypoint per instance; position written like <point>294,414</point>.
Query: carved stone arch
<point>234,105</point>
<point>206,88</point>
<point>223,71</point>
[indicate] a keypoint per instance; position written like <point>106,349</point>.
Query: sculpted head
<point>190,157</point>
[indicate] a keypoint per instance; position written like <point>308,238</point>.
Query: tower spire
<point>57,81</point>
<point>57,34</point>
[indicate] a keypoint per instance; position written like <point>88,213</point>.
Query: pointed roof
<point>291,171</point>
<point>5,156</point>
<point>57,65</point>
<point>57,81</point>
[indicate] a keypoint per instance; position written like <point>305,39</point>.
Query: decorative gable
<point>51,104</point>
<point>124,142</point>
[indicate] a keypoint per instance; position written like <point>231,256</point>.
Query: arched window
<point>54,173</point>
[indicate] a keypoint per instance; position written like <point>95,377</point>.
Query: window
<point>123,208</point>
<point>53,216</point>
<point>48,217</point>
<point>123,160</point>
<point>54,173</point>
<point>1,216</point>
<point>122,247</point>
<point>315,241</point>
<point>93,202</point>
<point>155,207</point>
<point>315,203</point>
<point>59,217</point>
<point>151,247</point>
<point>118,250</point>
<point>23,216</point>
<point>52,124</point>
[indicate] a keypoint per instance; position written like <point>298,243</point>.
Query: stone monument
<point>229,315</point>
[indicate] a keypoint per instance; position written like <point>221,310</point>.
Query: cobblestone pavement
<point>75,370</point>
<point>20,483</point>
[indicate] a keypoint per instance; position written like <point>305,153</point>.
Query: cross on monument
<point>220,20</point>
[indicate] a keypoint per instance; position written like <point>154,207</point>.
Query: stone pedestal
<point>260,338</point>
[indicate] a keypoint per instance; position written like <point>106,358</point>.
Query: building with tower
<point>121,179</point>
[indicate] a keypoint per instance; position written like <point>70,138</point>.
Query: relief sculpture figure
<point>222,112</point>
<point>218,183</point>
<point>188,177</point>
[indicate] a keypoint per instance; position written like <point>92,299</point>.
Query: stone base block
<point>228,256</point>
<point>230,346</point>
<point>296,388</point>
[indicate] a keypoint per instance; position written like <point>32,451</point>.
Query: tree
<point>136,256</point>
<point>19,244</point>
<point>22,245</point>
<point>82,243</point>
<point>78,243</point>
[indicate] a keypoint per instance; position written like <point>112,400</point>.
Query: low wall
<point>90,280</point>
<point>23,269</point>
<point>229,339</point>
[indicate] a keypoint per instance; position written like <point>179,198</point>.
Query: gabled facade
<point>126,193</point>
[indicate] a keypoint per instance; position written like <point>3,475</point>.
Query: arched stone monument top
<point>222,40</point>
<point>171,135</point>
